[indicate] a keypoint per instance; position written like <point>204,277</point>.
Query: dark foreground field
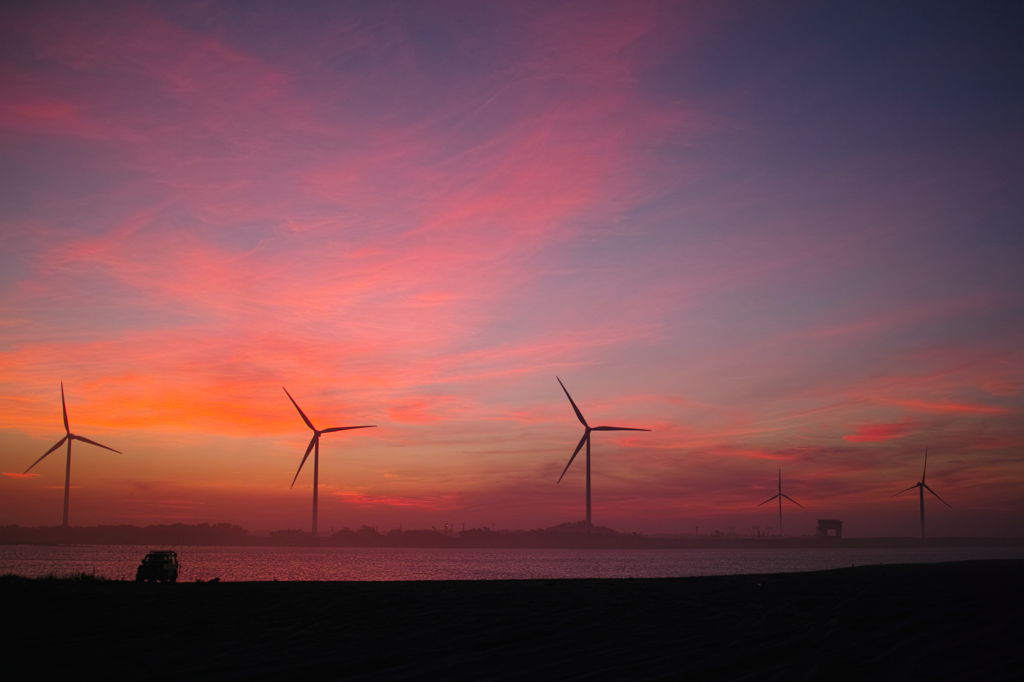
<point>914,622</point>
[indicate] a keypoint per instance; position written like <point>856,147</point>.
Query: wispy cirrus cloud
<point>876,433</point>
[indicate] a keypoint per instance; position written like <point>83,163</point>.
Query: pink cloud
<point>358,499</point>
<point>877,433</point>
<point>950,407</point>
<point>414,412</point>
<point>1002,388</point>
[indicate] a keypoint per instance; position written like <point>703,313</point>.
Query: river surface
<point>352,563</point>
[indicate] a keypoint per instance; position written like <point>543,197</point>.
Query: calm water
<point>344,563</point>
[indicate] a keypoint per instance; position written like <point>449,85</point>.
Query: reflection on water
<point>354,563</point>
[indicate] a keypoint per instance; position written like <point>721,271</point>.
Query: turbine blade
<point>59,443</point>
<point>579,414</point>
<point>308,450</point>
<point>925,464</point>
<point>574,453</point>
<point>791,500</point>
<point>92,442</point>
<point>903,491</point>
<point>348,428</point>
<point>615,428</point>
<point>64,407</point>
<point>937,495</point>
<point>303,414</point>
<point>768,500</point>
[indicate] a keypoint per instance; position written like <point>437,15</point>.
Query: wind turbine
<point>586,439</point>
<point>68,437</point>
<point>921,485</point>
<point>314,444</point>
<point>780,495</point>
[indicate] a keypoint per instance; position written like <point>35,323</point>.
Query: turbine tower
<point>780,495</point>
<point>314,444</point>
<point>586,439</point>
<point>68,437</point>
<point>921,485</point>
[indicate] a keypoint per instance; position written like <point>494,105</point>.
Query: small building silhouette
<point>825,525</point>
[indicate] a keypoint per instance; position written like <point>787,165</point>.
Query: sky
<point>779,235</point>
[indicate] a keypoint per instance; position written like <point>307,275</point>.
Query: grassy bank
<point>936,621</point>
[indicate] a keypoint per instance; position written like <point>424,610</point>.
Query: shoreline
<point>952,620</point>
<point>12,580</point>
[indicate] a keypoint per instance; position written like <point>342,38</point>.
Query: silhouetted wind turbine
<point>780,495</point>
<point>586,439</point>
<point>68,437</point>
<point>314,444</point>
<point>921,487</point>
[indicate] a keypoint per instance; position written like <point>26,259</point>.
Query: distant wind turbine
<point>314,444</point>
<point>68,437</point>
<point>586,439</point>
<point>921,488</point>
<point>780,495</point>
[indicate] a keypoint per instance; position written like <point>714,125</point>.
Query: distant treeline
<point>566,536</point>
